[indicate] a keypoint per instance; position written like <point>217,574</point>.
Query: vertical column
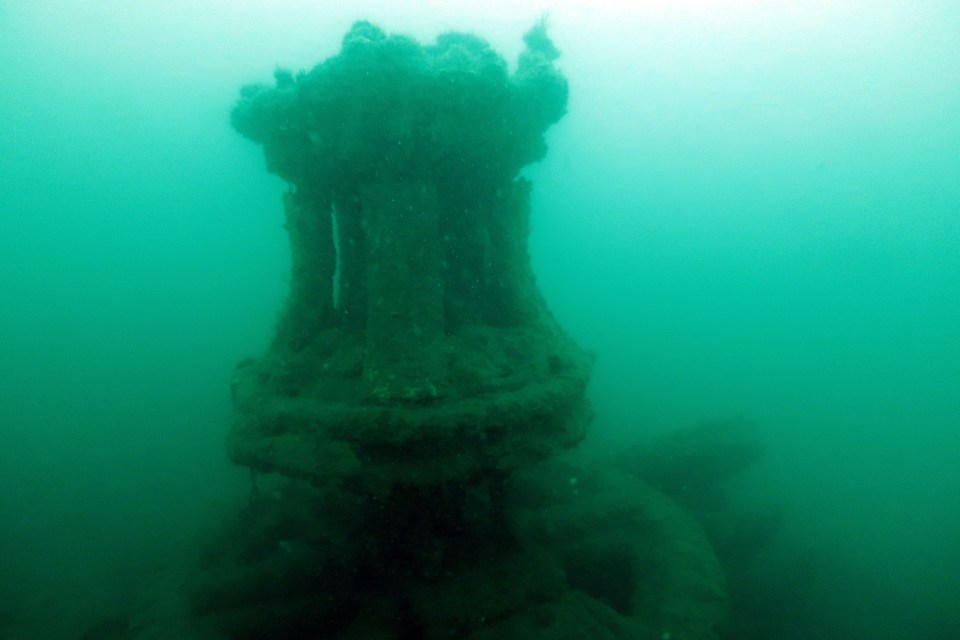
<point>405,321</point>
<point>466,246</point>
<point>514,298</point>
<point>309,306</point>
<point>353,285</point>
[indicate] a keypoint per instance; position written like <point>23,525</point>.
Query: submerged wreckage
<point>414,405</point>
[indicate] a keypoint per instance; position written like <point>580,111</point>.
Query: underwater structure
<point>409,419</point>
<point>414,347</point>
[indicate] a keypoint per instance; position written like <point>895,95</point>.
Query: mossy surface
<point>414,346</point>
<point>386,106</point>
<point>496,409</point>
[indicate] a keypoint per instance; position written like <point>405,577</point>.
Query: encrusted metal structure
<point>417,385</point>
<point>414,346</point>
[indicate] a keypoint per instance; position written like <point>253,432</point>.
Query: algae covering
<point>412,406</point>
<point>414,346</point>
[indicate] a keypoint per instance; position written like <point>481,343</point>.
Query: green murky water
<point>749,211</point>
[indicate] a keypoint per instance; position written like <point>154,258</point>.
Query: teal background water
<point>750,210</point>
